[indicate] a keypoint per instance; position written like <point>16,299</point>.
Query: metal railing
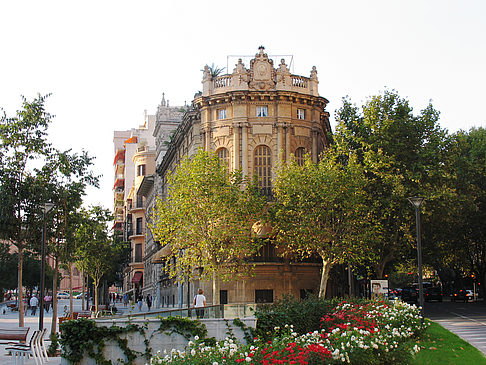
<point>210,311</point>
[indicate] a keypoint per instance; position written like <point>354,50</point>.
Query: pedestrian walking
<point>125,299</point>
<point>200,303</point>
<point>140,302</point>
<point>148,299</point>
<point>34,302</point>
<point>47,302</point>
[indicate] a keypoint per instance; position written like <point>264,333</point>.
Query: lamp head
<point>416,201</point>
<point>47,207</point>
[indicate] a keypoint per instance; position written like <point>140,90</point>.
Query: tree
<point>319,209</point>
<point>207,218</point>
<point>8,264</point>
<point>23,139</point>
<point>403,155</point>
<point>62,180</point>
<point>95,246</point>
<point>465,246</point>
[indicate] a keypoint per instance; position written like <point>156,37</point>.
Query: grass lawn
<point>441,347</point>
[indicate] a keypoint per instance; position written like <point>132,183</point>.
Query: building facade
<point>252,119</point>
<point>134,158</point>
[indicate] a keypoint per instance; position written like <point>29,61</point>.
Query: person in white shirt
<point>200,303</point>
<point>33,304</point>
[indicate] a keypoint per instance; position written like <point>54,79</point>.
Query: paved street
<point>467,320</point>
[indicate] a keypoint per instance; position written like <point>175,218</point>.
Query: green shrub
<point>304,314</point>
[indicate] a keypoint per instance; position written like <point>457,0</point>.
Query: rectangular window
<point>262,111</point>
<point>264,296</point>
<point>141,170</point>
<point>139,226</point>
<point>138,252</point>
<point>300,113</point>
<point>223,297</point>
<point>221,113</point>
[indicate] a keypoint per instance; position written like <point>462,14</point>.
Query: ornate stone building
<point>252,118</point>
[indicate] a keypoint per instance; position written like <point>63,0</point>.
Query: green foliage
<point>249,333</point>
<point>215,71</point>
<point>22,140</point>
<point>207,218</point>
<point>305,315</point>
<point>81,337</point>
<point>464,244</point>
<point>95,246</point>
<point>320,210</point>
<point>403,155</point>
<point>183,326</point>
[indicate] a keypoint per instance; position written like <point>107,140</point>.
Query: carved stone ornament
<point>262,73</point>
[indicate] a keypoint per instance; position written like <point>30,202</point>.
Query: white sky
<point>105,62</point>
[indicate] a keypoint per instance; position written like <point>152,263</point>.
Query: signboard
<point>379,289</point>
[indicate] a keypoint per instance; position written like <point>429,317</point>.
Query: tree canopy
<point>207,219</point>
<point>403,155</point>
<point>319,209</point>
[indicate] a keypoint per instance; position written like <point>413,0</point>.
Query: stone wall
<point>216,328</point>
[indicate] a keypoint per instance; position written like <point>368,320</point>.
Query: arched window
<point>223,156</point>
<point>263,169</point>
<point>300,156</point>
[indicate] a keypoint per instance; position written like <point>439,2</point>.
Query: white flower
<point>248,359</point>
<point>193,352</point>
<point>197,338</point>
<point>215,363</point>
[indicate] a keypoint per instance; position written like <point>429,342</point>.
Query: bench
<point>13,334</point>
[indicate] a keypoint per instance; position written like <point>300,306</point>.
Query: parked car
<point>459,294</point>
<point>78,296</point>
<point>470,295</point>
<point>410,294</point>
<point>433,293</point>
<point>62,295</point>
<point>395,293</point>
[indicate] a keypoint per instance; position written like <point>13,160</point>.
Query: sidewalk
<point>11,320</point>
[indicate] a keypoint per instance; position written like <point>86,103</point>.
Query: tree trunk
<point>326,268</point>
<point>380,266</point>
<point>71,305</point>
<point>216,287</point>
<point>96,283</point>
<point>20,291</point>
<point>54,297</point>
<point>83,292</point>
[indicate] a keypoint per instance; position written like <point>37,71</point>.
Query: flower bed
<point>366,333</point>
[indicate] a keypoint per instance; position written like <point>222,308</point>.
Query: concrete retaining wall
<point>217,328</point>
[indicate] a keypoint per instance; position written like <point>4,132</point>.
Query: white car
<point>62,295</point>
<point>470,295</point>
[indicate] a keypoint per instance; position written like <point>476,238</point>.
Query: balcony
<point>136,233</point>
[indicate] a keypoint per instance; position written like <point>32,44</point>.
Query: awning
<point>119,155</point>
<point>131,140</point>
<point>119,183</point>
<point>137,277</point>
<point>161,254</point>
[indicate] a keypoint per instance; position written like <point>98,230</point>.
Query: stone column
<point>314,145</point>
<point>244,148</point>
<point>207,131</point>
<point>287,142</point>
<point>279,127</point>
<point>236,146</point>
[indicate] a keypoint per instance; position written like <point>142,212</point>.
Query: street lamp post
<point>45,209</point>
<point>417,202</point>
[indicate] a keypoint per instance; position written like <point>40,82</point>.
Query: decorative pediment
<point>262,73</point>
